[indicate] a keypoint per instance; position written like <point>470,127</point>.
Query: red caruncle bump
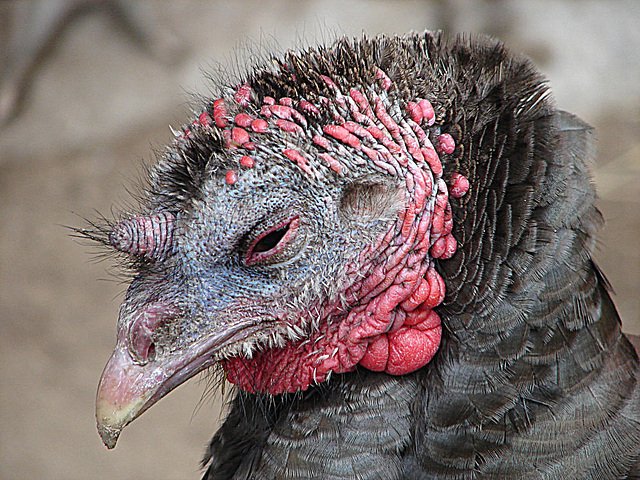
<point>321,141</point>
<point>412,348</point>
<point>242,95</point>
<point>243,120</point>
<point>342,134</point>
<point>459,185</point>
<point>204,119</point>
<point>246,161</point>
<point>427,111</point>
<point>415,112</point>
<point>308,107</point>
<point>384,79</point>
<point>259,125</point>
<point>431,157</point>
<point>239,136</point>
<point>295,156</point>
<point>231,177</point>
<point>219,113</point>
<point>288,126</point>
<point>226,134</point>
<point>446,144</point>
<point>265,111</point>
<point>329,82</point>
<point>334,164</point>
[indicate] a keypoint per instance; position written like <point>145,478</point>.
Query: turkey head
<point>290,232</point>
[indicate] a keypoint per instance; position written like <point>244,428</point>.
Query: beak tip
<point>109,435</point>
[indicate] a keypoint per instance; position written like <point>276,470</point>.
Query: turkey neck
<point>540,367</point>
<point>337,430</point>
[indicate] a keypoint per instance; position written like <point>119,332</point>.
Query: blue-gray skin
<point>533,378</point>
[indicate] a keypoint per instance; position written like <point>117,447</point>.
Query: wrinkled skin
<point>219,295</point>
<point>274,261</point>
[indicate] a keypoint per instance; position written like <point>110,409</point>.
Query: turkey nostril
<point>151,352</point>
<point>143,329</point>
<point>141,343</point>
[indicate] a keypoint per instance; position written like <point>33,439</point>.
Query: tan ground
<point>97,104</point>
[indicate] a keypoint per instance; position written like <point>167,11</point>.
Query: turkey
<point>385,245</point>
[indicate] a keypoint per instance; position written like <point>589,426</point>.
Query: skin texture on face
<point>288,237</point>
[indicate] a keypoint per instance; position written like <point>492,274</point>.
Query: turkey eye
<point>272,242</point>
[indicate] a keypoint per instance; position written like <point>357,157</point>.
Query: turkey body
<point>532,377</point>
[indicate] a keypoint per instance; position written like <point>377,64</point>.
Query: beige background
<point>97,104</point>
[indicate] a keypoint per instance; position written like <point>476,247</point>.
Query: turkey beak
<point>124,392</point>
<point>136,377</point>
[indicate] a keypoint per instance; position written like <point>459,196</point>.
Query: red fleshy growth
<point>219,113</point>
<point>329,82</point>
<point>335,165</point>
<point>204,119</point>
<point>387,121</point>
<point>459,185</point>
<point>385,81</point>
<point>438,248</point>
<point>287,113</point>
<point>231,177</point>
<point>249,146</point>
<point>239,135</point>
<point>242,95</point>
<point>340,133</point>
<point>361,102</point>
<point>371,153</point>
<point>243,120</point>
<point>446,144</point>
<point>282,111</point>
<point>269,101</point>
<point>427,112</point>
<point>259,125</point>
<point>288,126</point>
<point>226,134</point>
<point>298,158</point>
<point>431,157</point>
<point>308,107</point>
<point>375,132</point>
<point>265,111</point>
<point>415,112</point>
<point>286,101</point>
<point>247,161</point>
<point>393,288</point>
<point>358,130</point>
<point>411,349</point>
<point>321,141</point>
<point>377,354</point>
<point>451,245</point>
<point>413,147</point>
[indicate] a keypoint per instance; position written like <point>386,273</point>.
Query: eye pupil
<point>270,240</point>
<point>272,243</point>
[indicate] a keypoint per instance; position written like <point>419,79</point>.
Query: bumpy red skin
<point>392,325</point>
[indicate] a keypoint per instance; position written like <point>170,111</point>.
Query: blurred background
<point>89,88</point>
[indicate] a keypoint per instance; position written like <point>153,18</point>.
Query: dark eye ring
<point>272,241</point>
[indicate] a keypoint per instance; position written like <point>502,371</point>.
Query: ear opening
<point>371,201</point>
